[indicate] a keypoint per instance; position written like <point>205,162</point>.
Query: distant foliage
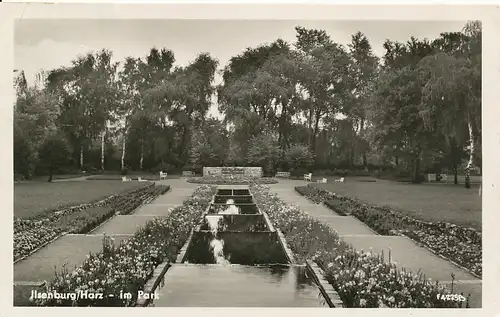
<point>264,151</point>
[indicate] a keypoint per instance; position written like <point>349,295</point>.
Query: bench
<point>308,177</point>
<point>283,174</point>
<point>341,180</point>
<point>163,175</point>
<point>434,178</point>
<point>187,174</point>
<point>125,179</point>
<point>324,180</point>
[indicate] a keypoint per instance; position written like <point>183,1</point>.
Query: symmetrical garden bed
<point>32,233</point>
<point>458,244</point>
<point>361,279</point>
<point>228,180</point>
<point>128,267</point>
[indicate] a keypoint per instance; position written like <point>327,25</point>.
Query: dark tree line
<point>311,104</point>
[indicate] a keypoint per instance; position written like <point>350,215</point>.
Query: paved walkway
<point>404,251</point>
<point>71,249</point>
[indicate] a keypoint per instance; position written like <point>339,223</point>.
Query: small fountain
<point>216,245</point>
<point>232,209</point>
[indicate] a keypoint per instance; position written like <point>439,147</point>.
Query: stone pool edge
<point>153,283</point>
<point>331,296</point>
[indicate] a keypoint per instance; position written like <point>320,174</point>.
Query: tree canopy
<point>310,104</point>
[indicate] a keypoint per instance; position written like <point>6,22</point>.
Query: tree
<point>363,71</point>
<point>397,117</point>
<point>452,91</point>
<point>209,144</point>
<point>323,77</point>
<point>264,151</point>
<point>299,158</point>
<point>54,153</point>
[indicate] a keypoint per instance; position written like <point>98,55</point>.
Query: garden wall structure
<point>233,171</point>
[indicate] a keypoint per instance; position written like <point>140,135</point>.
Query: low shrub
<point>337,206</point>
<point>361,279</point>
<point>459,244</point>
<point>128,267</point>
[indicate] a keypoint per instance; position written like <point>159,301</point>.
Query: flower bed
<point>361,279</point>
<point>128,267</point>
<point>228,180</point>
<point>459,244</point>
<point>32,233</point>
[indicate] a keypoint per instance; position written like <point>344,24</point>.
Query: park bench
<point>141,180</point>
<point>187,174</point>
<point>324,180</point>
<point>163,175</point>
<point>341,180</point>
<point>434,178</point>
<point>308,177</point>
<point>125,179</point>
<point>283,174</point>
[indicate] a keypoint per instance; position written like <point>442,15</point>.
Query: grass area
<point>426,201</point>
<point>31,198</point>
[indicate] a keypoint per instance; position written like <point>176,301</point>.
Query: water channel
<point>235,258</point>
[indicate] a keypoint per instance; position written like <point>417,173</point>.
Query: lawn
<point>426,201</point>
<point>31,198</point>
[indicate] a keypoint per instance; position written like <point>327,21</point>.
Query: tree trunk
<point>361,135</point>
<point>416,167</point>
<point>470,163</point>
<point>455,174</point>
<point>142,155</point>
<point>416,171</point>
<point>50,174</point>
<point>103,139</point>
<point>315,133</point>
<point>81,157</point>
<point>124,144</point>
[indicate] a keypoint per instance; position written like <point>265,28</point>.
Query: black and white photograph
<point>247,163</point>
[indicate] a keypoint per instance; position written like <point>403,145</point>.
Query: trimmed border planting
<point>129,267</point>
<point>460,245</point>
<point>360,279</point>
<point>31,234</point>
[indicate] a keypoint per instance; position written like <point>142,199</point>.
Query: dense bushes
<point>459,244</point>
<point>32,233</point>
<point>361,280</point>
<point>128,267</point>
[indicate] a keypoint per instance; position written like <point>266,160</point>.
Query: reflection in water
<point>239,286</point>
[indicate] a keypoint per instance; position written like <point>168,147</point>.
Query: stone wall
<point>234,171</point>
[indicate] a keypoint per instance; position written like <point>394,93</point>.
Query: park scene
<point>304,170</point>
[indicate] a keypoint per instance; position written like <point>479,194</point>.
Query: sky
<point>47,44</point>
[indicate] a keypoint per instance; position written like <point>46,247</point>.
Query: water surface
<point>238,286</point>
